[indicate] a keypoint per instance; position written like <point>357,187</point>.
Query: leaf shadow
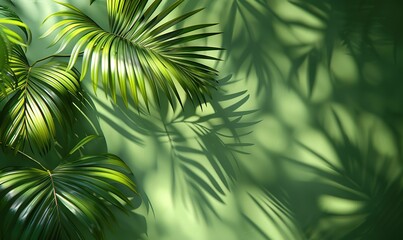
<point>363,179</point>
<point>197,147</point>
<point>366,30</point>
<point>248,49</point>
<point>275,219</point>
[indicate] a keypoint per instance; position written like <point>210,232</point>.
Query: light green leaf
<point>10,18</point>
<point>142,52</point>
<point>84,141</point>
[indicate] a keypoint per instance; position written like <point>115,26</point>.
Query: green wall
<point>302,139</point>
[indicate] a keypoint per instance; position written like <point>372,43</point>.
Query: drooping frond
<point>41,97</point>
<point>8,37</point>
<point>9,18</point>
<point>141,53</point>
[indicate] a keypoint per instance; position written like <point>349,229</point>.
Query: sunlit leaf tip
<point>142,55</point>
<point>40,99</point>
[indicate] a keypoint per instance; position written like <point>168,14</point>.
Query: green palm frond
<point>4,52</point>
<point>41,97</point>
<point>8,37</point>
<point>73,201</point>
<point>9,18</point>
<point>141,52</point>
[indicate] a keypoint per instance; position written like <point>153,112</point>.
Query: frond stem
<point>53,56</point>
<point>29,157</point>
<point>32,159</point>
<point>54,193</point>
<point>54,190</point>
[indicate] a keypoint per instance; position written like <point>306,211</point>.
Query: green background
<point>302,139</point>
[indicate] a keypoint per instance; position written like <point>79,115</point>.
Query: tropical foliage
<point>72,201</point>
<point>42,102</point>
<point>299,138</point>
<point>140,50</point>
<point>40,94</point>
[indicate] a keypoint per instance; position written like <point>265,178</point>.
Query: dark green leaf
<point>71,202</point>
<point>43,97</point>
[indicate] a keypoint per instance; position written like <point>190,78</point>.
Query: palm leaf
<point>4,50</point>
<point>41,97</point>
<point>73,201</point>
<point>141,51</point>
<point>10,18</point>
<point>8,37</point>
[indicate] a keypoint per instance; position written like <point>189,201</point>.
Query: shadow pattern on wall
<point>199,146</point>
<point>343,61</point>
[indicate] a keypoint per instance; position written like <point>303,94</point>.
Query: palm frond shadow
<point>85,123</point>
<point>248,50</point>
<point>382,99</point>
<point>275,219</point>
<point>133,225</point>
<point>362,28</point>
<point>199,146</point>
<point>366,181</point>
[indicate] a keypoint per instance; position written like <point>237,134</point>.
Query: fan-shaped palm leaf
<point>140,51</point>
<point>42,96</point>
<point>73,201</point>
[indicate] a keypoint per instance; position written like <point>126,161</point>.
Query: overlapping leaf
<point>8,37</point>
<point>5,72</point>
<point>41,97</point>
<point>9,18</point>
<point>73,201</point>
<point>141,53</point>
